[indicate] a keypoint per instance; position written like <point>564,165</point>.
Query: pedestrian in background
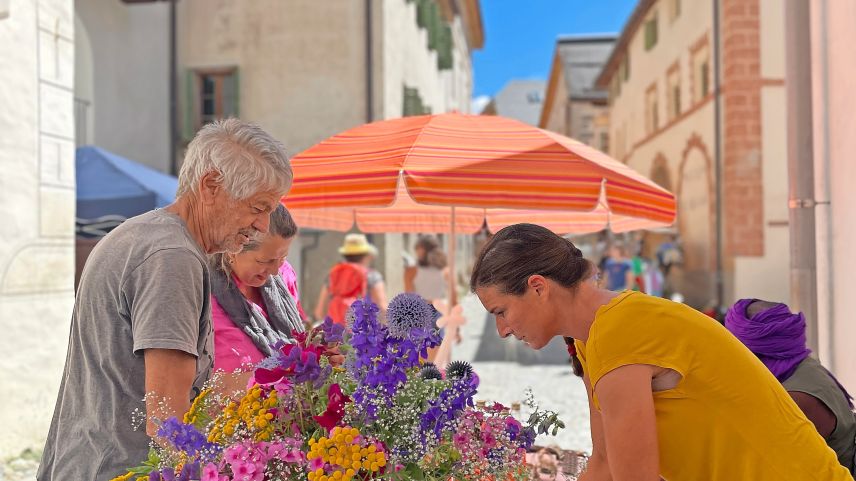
<point>351,279</point>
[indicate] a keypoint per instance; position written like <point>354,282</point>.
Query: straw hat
<point>357,244</point>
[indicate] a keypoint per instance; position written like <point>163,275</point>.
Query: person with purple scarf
<point>777,336</point>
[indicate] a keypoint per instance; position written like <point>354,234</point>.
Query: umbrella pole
<point>453,292</point>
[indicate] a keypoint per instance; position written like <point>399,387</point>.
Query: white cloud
<point>479,103</point>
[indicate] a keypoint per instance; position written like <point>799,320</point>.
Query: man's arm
<point>169,379</point>
<point>629,422</point>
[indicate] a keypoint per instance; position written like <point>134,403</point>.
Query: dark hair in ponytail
<point>576,365</point>
<point>520,251</point>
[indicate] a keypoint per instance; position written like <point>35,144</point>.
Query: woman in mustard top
<point>671,392</point>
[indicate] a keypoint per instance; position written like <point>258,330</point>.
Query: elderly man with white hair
<point>141,326</point>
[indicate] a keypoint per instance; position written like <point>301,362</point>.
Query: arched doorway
<point>696,277</point>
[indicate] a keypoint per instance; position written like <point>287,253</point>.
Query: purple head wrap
<point>775,335</point>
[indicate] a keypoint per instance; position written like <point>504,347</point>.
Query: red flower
<point>336,401</point>
<point>269,377</point>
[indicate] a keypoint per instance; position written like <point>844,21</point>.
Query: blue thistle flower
<point>430,371</point>
<point>459,370</point>
<point>410,311</point>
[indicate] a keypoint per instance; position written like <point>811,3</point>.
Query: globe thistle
<point>407,312</point>
<point>459,370</point>
<point>430,371</point>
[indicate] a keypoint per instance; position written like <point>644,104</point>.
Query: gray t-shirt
<point>145,286</point>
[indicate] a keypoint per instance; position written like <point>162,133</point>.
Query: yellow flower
<point>123,477</point>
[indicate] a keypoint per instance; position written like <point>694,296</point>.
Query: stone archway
<point>696,224</point>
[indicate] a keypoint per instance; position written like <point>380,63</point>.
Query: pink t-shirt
<point>232,348</point>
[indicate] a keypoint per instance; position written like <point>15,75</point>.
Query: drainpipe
<point>717,155</point>
<point>173,94</point>
<point>369,64</point>
<point>825,266</point>
<point>800,141</point>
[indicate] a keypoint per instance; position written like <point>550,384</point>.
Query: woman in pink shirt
<point>254,302</point>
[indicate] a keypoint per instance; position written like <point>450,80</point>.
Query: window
<point>210,94</point>
<point>705,78</point>
<point>624,69</point>
<point>614,88</point>
<point>534,97</point>
<point>652,121</point>
<point>604,141</point>
<point>651,32</point>
<point>700,73</point>
<point>673,92</point>
<point>674,10</point>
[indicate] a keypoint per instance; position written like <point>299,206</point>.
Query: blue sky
<point>520,35</point>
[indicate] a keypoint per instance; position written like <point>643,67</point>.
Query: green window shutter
<point>435,21</point>
<point>626,66</point>
<point>231,95</point>
<point>188,127</point>
<point>413,103</point>
<point>651,33</point>
<point>445,58</point>
<point>408,106</point>
<point>423,13</point>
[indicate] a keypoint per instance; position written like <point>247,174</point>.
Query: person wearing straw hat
<point>350,280</point>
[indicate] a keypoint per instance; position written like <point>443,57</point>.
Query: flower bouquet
<point>383,414</point>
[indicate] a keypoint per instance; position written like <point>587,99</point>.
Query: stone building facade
<point>37,207</point>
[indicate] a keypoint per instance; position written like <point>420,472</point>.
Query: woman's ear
<point>537,283</point>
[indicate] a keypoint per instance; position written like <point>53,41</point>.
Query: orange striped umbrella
<point>494,165</point>
<point>405,215</point>
<point>412,165</point>
<point>470,161</point>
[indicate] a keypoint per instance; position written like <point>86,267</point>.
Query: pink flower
<point>210,472</point>
<point>247,472</point>
<point>489,440</point>
<point>460,439</point>
<point>235,454</point>
<point>316,463</point>
<point>293,456</point>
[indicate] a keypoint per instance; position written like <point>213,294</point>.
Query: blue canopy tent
<point>110,185</point>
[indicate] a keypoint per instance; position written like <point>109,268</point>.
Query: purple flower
<point>186,438</point>
<point>332,332</point>
<point>512,428</point>
<point>527,438</point>
<point>443,411</point>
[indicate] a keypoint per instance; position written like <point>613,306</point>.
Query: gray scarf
<point>283,319</point>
